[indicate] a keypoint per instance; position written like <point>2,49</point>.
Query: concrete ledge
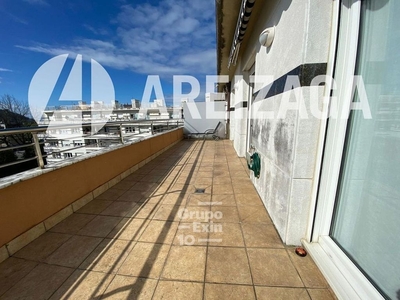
<point>3,253</point>
<point>25,238</point>
<point>58,217</point>
<point>78,204</point>
<point>30,207</point>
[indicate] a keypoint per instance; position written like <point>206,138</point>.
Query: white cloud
<point>170,38</point>
<point>5,70</point>
<point>15,18</point>
<point>97,31</point>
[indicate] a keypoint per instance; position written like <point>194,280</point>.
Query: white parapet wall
<point>201,116</point>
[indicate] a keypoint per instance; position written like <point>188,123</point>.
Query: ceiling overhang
<point>235,19</point>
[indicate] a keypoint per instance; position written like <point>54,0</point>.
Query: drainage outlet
<point>199,191</point>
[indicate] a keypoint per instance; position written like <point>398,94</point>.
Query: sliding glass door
<point>365,222</point>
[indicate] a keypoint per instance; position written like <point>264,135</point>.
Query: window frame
<point>345,278</point>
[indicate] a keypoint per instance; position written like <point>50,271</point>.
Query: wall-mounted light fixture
<point>267,37</point>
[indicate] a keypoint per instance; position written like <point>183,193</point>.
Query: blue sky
<point>130,39</point>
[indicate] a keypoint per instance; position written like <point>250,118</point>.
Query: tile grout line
<point>172,242</point>
<point>150,219</point>
<point>245,247</point>
<point>109,273</point>
<point>208,236</point>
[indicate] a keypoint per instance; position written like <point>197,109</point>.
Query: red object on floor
<point>301,251</point>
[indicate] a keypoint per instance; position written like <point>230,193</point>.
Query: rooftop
<point>156,235</point>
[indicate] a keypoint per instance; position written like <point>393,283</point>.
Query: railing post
<point>38,152</point>
<point>121,137</point>
<point>152,129</point>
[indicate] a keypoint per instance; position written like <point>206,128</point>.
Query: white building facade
<point>331,184</point>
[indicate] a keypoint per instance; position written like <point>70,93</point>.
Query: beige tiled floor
<point>152,237</point>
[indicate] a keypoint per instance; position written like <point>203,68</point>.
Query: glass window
<point>366,223</point>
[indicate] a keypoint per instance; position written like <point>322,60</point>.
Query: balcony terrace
<point>187,225</point>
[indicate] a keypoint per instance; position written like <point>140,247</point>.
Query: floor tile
<point>111,194</point>
<point>40,283</point>
<point>222,180</point>
<point>196,214</point>
<point>221,173</point>
<point>225,214</point>
<point>83,285</point>
<point>73,223</point>
<point>272,267</point>
<point>128,244</point>
<point>261,235</point>
<point>321,294</point>
<point>130,288</point>
<point>239,178</point>
<point>184,189</point>
<point>185,263</point>
<point>154,199</point>
<point>241,186</point>
<point>95,207</point>
<point>222,189</point>
<point>174,199</point>
<point>134,177</point>
<point>131,196</point>
<point>162,232</point>
<point>309,272</point>
<point>228,291</point>
<point>145,260</point>
<point>223,200</point>
<point>12,271</point>
<point>178,290</point>
<point>119,209</point>
<point>124,185</point>
<point>108,256</point>
<point>147,210</point>
<point>152,178</point>
<point>276,293</point>
<point>143,187</point>
<point>184,179</point>
<point>253,214</point>
<point>202,174</point>
<point>199,200</point>
<point>226,234</point>
<point>73,252</point>
<point>100,226</point>
<point>248,199</point>
<point>167,212</point>
<point>227,265</point>
<point>43,246</point>
<point>189,234</point>
<point>203,181</point>
<point>128,229</point>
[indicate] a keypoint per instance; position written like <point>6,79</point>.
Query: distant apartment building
<point>135,103</point>
<point>211,97</point>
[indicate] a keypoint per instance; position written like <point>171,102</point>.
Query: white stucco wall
<point>287,146</point>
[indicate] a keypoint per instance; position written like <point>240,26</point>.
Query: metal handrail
<point>41,129</point>
<point>21,130</point>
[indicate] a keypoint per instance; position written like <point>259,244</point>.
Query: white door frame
<point>345,278</point>
<point>251,72</point>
